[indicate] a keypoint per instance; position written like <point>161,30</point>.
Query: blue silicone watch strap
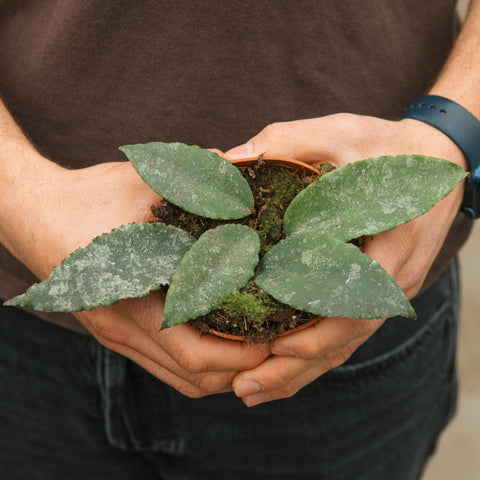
<point>464,129</point>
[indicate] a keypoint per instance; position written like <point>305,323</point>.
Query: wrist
<point>428,140</point>
<point>425,139</point>
<point>463,129</point>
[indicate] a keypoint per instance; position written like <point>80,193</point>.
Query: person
<point>104,394</point>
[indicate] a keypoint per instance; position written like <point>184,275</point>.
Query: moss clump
<point>250,303</point>
<point>325,168</point>
<point>275,188</point>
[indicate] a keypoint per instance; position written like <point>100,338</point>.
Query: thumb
<point>308,140</point>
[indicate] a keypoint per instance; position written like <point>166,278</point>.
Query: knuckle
<point>340,357</point>
<point>360,129</point>
<point>191,391</point>
<point>119,337</point>
<point>349,123</point>
<point>281,379</point>
<point>212,383</point>
<point>344,355</point>
<point>305,346</point>
<point>109,334</point>
<point>275,132</point>
<point>190,362</point>
<point>355,134</point>
<point>255,352</point>
<point>308,349</point>
<point>330,363</point>
<point>287,391</point>
<point>363,327</point>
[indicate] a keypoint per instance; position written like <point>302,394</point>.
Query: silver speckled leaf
<point>130,261</point>
<point>320,274</point>
<point>195,179</point>
<point>373,195</point>
<point>222,261</point>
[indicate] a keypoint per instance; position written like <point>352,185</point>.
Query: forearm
<point>460,77</point>
<point>25,178</point>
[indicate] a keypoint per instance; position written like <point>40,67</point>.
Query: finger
<point>191,358</point>
<point>325,336</point>
<point>197,352</point>
<point>313,141</point>
<point>185,344</point>
<point>130,341</point>
<point>316,350</point>
<point>195,387</point>
<point>271,376</point>
<point>289,139</point>
<point>217,151</point>
<point>282,377</point>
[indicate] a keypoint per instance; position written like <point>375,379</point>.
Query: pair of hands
<point>111,194</point>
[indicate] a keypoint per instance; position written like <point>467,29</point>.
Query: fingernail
<point>241,151</point>
<point>247,388</point>
<point>256,399</point>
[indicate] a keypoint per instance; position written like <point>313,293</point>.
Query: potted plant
<point>316,266</point>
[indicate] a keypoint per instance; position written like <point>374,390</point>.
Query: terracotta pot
<point>296,166</point>
<point>239,338</point>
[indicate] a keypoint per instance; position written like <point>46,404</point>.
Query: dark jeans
<point>71,409</point>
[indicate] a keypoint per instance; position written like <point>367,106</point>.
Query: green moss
<point>190,223</point>
<point>277,187</point>
<point>269,228</point>
<point>325,168</point>
<point>250,303</point>
<point>284,185</point>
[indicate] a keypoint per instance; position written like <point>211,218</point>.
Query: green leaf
<point>320,274</point>
<point>373,195</point>
<point>221,262</point>
<point>192,178</point>
<point>127,262</point>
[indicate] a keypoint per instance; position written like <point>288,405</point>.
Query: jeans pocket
<point>135,406</point>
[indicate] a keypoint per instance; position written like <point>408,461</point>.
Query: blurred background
<point>458,452</point>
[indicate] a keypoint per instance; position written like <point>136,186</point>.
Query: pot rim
<point>240,338</point>
<point>277,160</point>
<point>296,165</point>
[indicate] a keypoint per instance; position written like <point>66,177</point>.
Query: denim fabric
<point>71,409</point>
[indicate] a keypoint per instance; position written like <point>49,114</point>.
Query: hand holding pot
<point>194,365</point>
<point>48,211</point>
<point>406,253</point>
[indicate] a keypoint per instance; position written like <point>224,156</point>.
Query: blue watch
<point>464,129</point>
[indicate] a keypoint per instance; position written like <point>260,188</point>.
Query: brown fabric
<point>84,77</point>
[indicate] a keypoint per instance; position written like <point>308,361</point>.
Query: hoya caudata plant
<point>315,268</point>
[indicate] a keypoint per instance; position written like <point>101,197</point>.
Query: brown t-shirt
<point>82,78</point>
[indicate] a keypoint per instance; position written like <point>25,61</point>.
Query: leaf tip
<point>411,313</point>
<point>124,148</point>
<point>170,320</point>
<point>406,310</point>
<point>12,302</point>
